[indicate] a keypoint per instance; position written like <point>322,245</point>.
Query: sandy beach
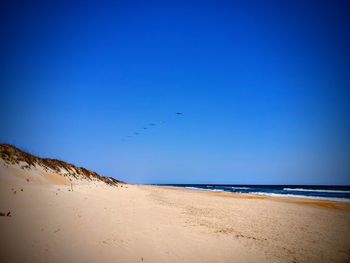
<point>175,131</point>
<point>96,222</point>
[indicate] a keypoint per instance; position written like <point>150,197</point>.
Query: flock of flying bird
<point>152,124</point>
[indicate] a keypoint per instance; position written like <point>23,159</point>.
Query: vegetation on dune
<point>12,155</point>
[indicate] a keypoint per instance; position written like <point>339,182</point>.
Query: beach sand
<point>99,223</point>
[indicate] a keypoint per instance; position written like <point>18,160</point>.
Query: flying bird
<point>146,127</point>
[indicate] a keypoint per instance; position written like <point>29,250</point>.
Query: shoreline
<point>325,203</point>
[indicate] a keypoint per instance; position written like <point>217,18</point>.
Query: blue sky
<point>263,85</point>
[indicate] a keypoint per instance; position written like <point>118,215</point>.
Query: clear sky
<point>263,87</point>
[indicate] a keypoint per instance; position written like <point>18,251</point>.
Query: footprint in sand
<point>5,214</point>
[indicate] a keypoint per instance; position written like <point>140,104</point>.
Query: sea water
<point>323,192</point>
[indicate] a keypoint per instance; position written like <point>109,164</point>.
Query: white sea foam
<point>274,194</point>
<point>203,189</point>
<point>240,188</point>
<point>315,190</point>
<point>303,196</point>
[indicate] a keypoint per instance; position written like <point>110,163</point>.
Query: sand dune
<point>100,223</point>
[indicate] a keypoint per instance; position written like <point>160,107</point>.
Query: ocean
<point>323,192</point>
